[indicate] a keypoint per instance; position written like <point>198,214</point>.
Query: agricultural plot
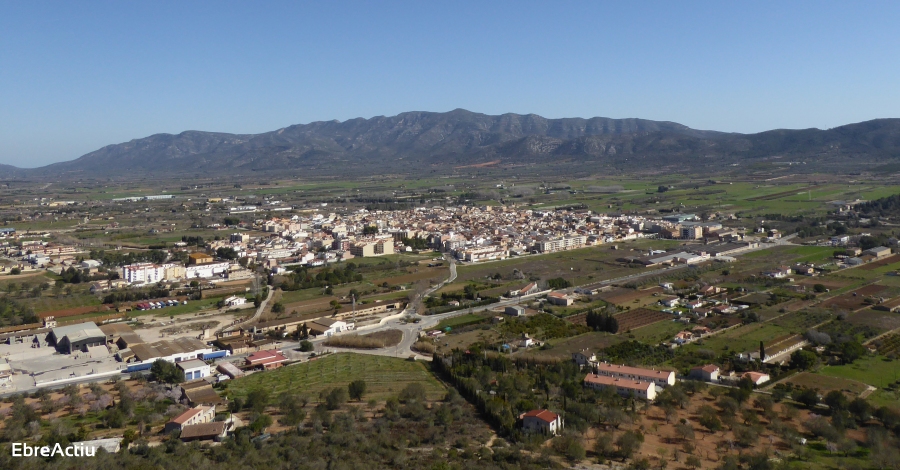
<point>744,338</point>
<point>563,348</point>
<point>854,300</point>
<point>627,297</point>
<point>880,263</point>
<point>802,320</point>
<point>825,383</point>
<point>637,318</point>
<point>876,371</point>
<point>876,319</point>
<point>888,345</point>
<point>384,376</point>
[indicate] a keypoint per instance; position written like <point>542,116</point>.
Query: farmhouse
<point>658,377</point>
<point>757,378</point>
<point>624,387</point>
<point>543,421</point>
<point>197,415</point>
<point>707,373</point>
<point>558,298</point>
<point>584,358</point>
<point>203,432</point>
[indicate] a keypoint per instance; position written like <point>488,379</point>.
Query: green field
<point>385,377</point>
<point>459,321</point>
<point>873,370</point>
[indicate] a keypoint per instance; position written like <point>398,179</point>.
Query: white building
<point>329,327</point>
<point>663,378</point>
<point>543,421</point>
<point>201,271</point>
<point>235,301</point>
<point>143,273</point>
<point>194,369</point>
<point>624,387</point>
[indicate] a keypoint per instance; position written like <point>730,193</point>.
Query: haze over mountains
<point>423,140</point>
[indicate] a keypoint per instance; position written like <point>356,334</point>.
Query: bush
<point>357,389</point>
<point>335,398</point>
<point>306,346</point>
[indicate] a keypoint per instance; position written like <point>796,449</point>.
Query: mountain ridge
<point>420,139</point>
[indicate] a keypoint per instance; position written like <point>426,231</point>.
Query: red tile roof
<point>265,357</point>
<point>543,415</point>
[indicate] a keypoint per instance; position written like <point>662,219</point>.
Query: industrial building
<point>78,337</point>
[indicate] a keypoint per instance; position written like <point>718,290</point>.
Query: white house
<point>707,373</point>
<point>194,369</point>
<point>543,421</point>
<point>328,327</point>
<point>235,301</point>
<point>662,378</point>
<point>624,387</point>
<point>758,378</point>
<point>584,358</point>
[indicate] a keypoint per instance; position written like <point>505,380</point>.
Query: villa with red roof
<point>196,415</point>
<point>543,421</point>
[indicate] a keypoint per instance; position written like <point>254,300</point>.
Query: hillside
<point>442,141</point>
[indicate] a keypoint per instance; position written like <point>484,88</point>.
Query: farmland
<point>384,376</point>
<point>637,318</point>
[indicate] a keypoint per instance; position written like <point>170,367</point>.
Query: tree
<point>851,351</point>
<point>278,307</point>
<point>603,445</point>
<point>819,288</point>
<point>335,398</point>
<point>258,399</point>
<point>306,346</point>
<point>412,392</point>
<point>685,431</point>
<point>808,397</point>
<point>711,422</point>
<point>762,351</point>
<point>357,389</point>
<point>261,422</point>
<point>166,372</point>
<point>628,443</point>
<point>803,360</point>
<point>693,461</point>
<point>291,407</point>
<point>662,189</point>
<point>836,400</point>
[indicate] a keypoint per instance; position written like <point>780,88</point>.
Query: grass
<point>745,338</point>
<point>873,370</point>
<point>460,321</point>
<point>657,332</point>
<point>384,376</point>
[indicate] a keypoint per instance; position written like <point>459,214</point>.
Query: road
<point>259,311</point>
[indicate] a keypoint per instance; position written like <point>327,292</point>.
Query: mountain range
<point>415,141</point>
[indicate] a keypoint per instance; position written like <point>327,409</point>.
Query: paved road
<point>259,311</point>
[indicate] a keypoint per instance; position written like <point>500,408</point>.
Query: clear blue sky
<point>75,76</point>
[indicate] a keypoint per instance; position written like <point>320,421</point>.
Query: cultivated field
<point>384,376</point>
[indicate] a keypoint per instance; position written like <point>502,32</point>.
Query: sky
<point>76,76</point>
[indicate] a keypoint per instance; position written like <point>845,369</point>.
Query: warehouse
<point>76,337</point>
